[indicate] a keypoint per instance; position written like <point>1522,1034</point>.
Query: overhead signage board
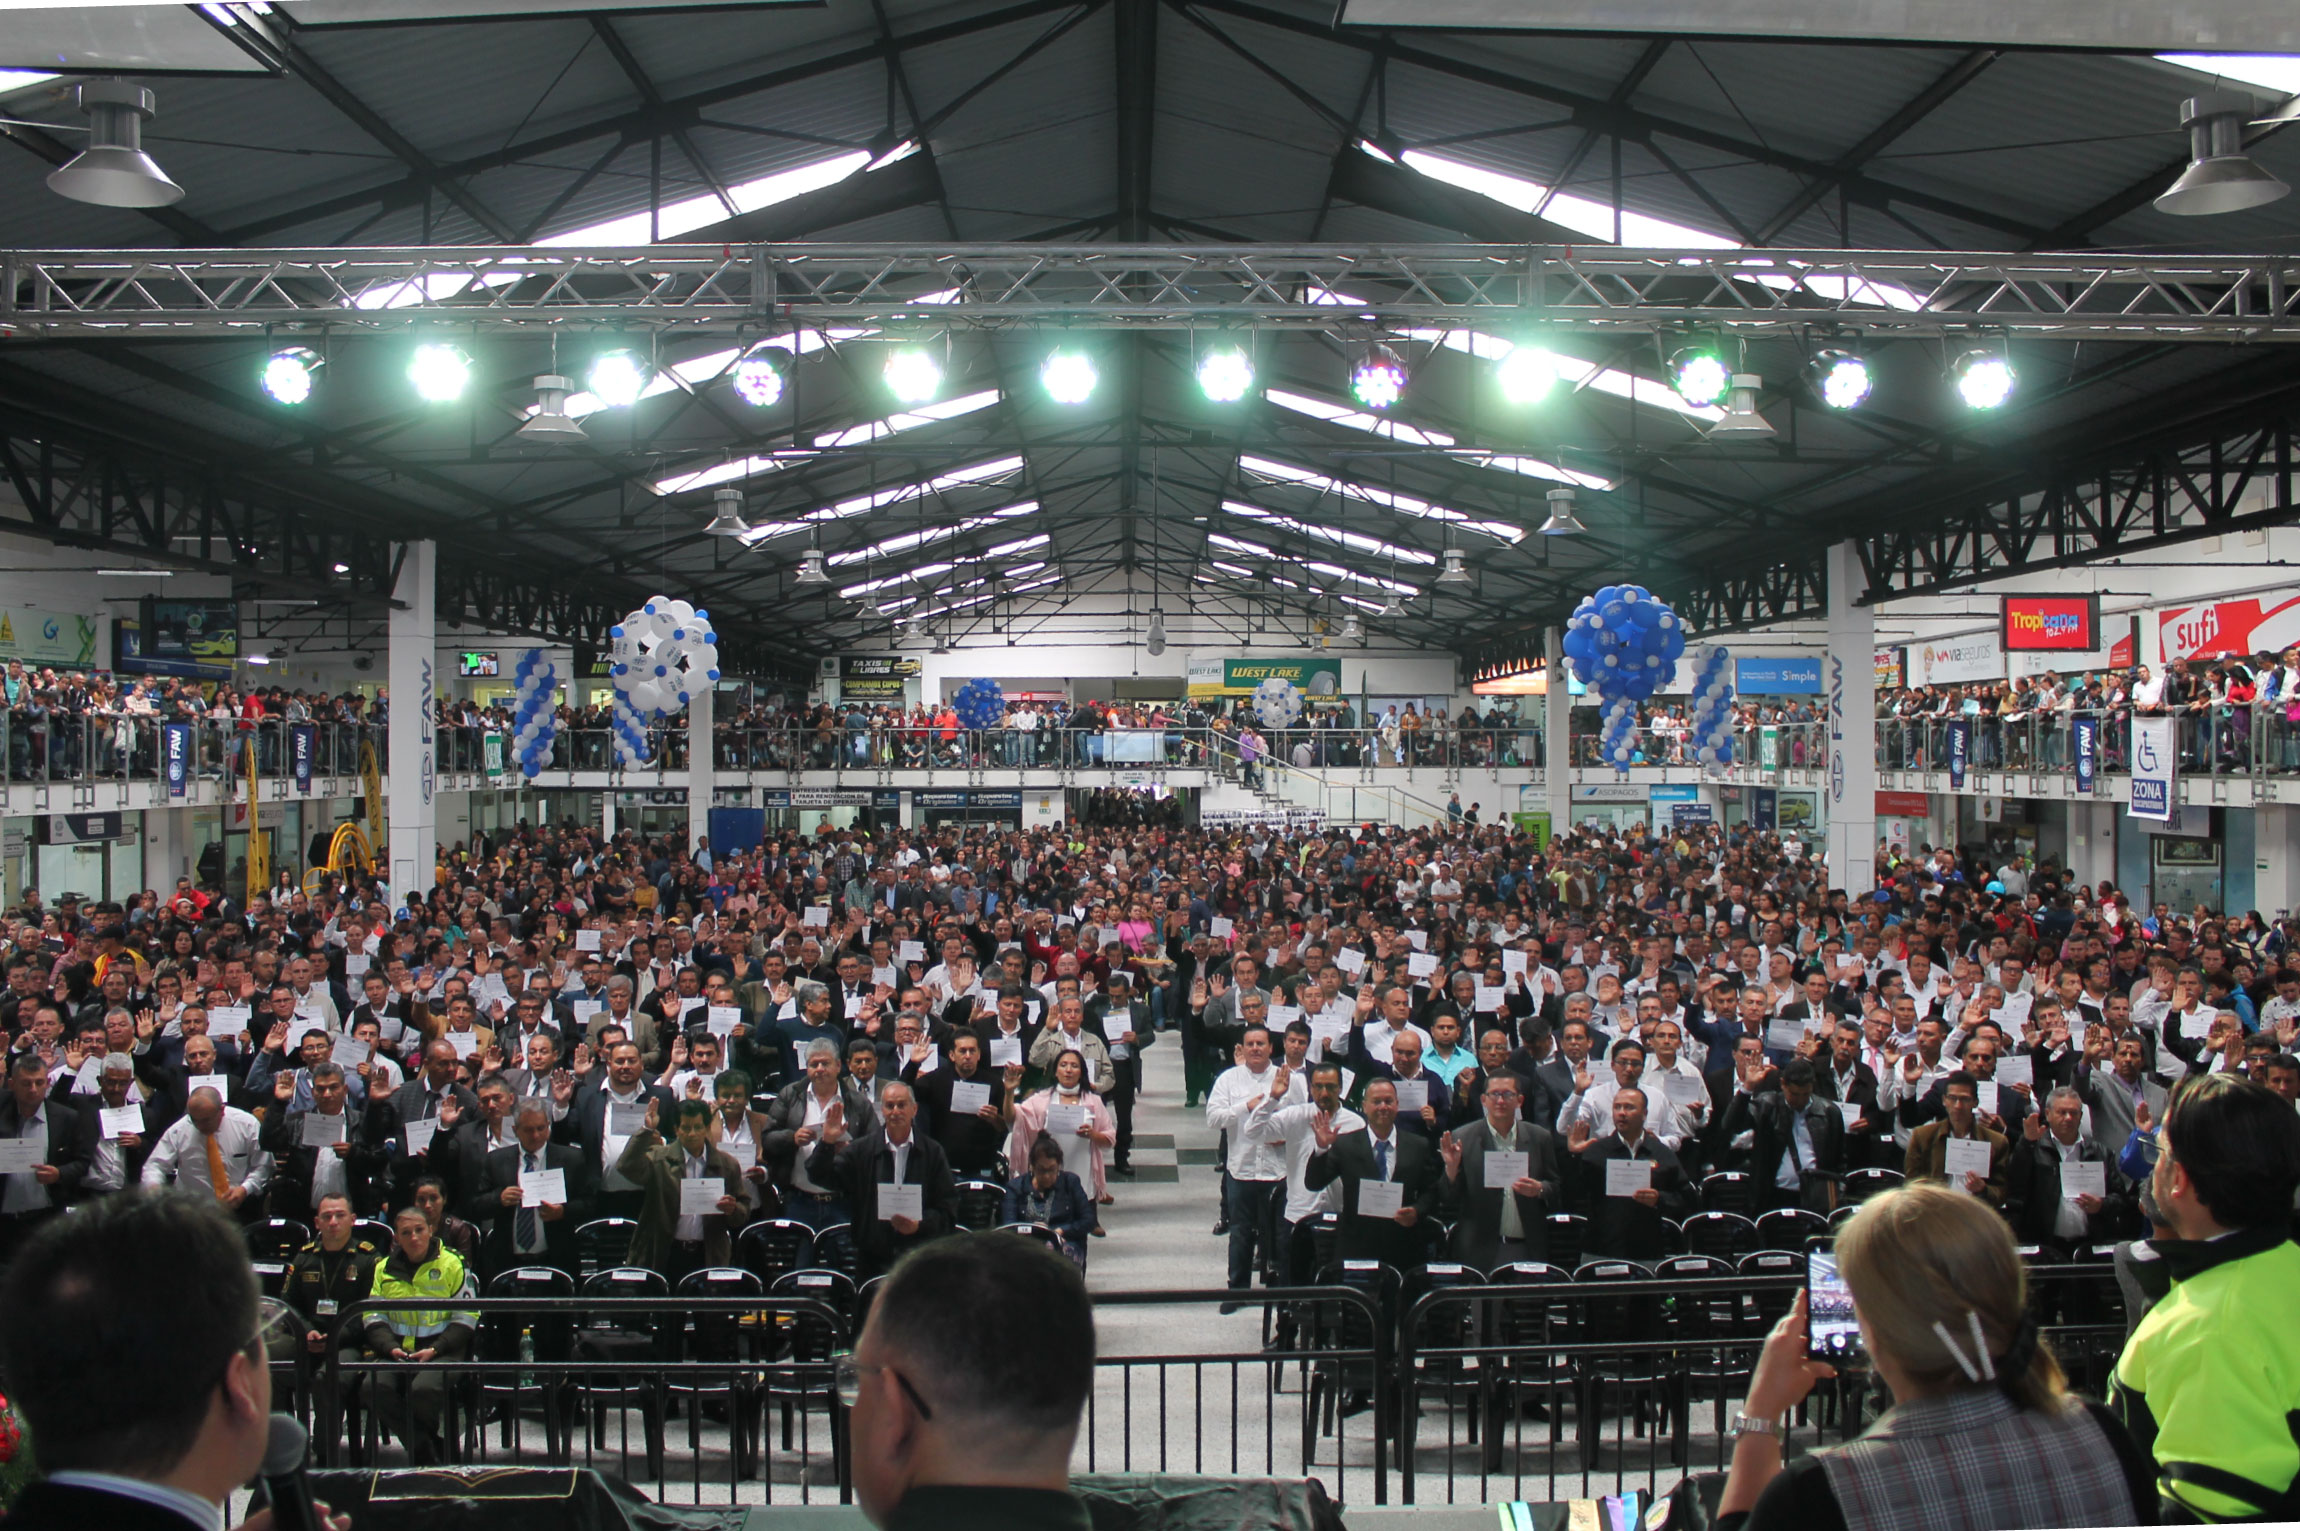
<point>1778,675</point>
<point>2061,624</point>
<point>1952,661</point>
<point>2257,624</point>
<point>1319,679</point>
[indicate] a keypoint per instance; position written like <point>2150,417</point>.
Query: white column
<point>1556,729</point>
<point>167,853</point>
<point>607,813</point>
<point>1852,691</point>
<point>2275,860</point>
<point>2092,842</point>
<point>699,760</point>
<point>413,766</point>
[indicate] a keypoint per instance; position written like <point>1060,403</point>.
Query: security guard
<point>332,1273</point>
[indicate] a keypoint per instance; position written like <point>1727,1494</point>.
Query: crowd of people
<point>1458,1041</point>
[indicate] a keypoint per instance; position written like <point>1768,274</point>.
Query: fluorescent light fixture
<point>1369,494</point>
<point>878,499</point>
<point>1422,436</point>
<point>853,435</point>
<point>135,573</point>
<point>259,659</point>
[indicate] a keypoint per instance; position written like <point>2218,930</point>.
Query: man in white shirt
<point>212,1147</point>
<point>313,1000</point>
<point>1284,1118</point>
<point>1396,1016</point>
<point>1257,1170</point>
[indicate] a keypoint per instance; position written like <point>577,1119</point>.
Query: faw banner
<point>2269,623</point>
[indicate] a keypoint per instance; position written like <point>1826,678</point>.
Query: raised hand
<point>1450,1151</point>
<point>1323,1131</point>
<point>654,1113</point>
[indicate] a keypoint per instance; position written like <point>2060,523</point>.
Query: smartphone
<point>1832,1333</point>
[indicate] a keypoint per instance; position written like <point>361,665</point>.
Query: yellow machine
<point>348,850</point>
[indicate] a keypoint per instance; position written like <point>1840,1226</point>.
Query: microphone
<point>287,1482</point>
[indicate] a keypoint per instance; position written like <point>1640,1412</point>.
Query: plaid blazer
<point>1971,1458</point>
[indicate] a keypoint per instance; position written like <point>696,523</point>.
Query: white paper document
<point>967,1097</point>
<point>1350,960</point>
<point>1850,1111</point>
<point>700,1197</point>
<point>624,1120</point>
<point>228,1020</point>
<point>321,1130</point>
<point>1413,1094</point>
<point>1965,1156</point>
<point>220,1083</point>
<point>349,1053</point>
<point>744,1154</point>
<point>2017,1068</point>
<point>418,1135</point>
<point>1380,1198</point>
<point>1064,1121</point>
<point>1419,940</point>
<point>911,951</point>
<point>543,1188</point>
<point>1505,1167</point>
<point>2076,1179</point>
<point>21,1155</point>
<point>1219,927</point>
<point>355,964</point>
<point>901,1201</point>
<point>1988,1090</point>
<point>123,1121</point>
<point>587,940</point>
<point>817,915</point>
<point>724,1019</point>
<point>1626,1177</point>
<point>1282,1016</point>
<point>1421,965</point>
<point>1513,962</point>
<point>465,1043</point>
<point>1005,1050</point>
<point>1783,1036</point>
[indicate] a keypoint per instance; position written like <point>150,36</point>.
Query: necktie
<point>218,1175</point>
<point>1382,1161</point>
<point>529,1222</point>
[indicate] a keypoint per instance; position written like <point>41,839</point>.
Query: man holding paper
<point>1960,1149</point>
<point>530,1198</point>
<point>120,1126</point>
<point>896,1182</point>
<point>1501,1182</point>
<point>2062,1189</point>
<point>333,1148</point>
<point>1389,1178</point>
<point>691,1194</point>
<point>1640,1182</point>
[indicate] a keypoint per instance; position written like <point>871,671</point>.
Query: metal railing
<point>44,746</point>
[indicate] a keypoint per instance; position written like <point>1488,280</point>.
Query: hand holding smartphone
<point>1832,1332</point>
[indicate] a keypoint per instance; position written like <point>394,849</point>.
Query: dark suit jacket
<point>585,1124</point>
<point>1768,1117</point>
<point>68,1141</point>
<point>484,1207</point>
<point>364,1164</point>
<point>1475,1211</point>
<point>56,1507</point>
<point>1416,1168</point>
<point>860,1166</point>
<point>2032,1193</point>
<point>778,1150</point>
<point>1621,1228</point>
<point>1928,1156</point>
<point>657,1167</point>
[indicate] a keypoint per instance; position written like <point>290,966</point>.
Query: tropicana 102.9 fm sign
<point>2053,623</point>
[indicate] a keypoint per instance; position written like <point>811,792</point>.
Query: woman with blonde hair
<point>1983,1433</point>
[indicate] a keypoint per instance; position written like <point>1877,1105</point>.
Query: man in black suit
<point>1843,1079</point>
<point>195,1424</point>
<point>891,1154</point>
<point>1379,1155</point>
<point>605,1116</point>
<point>31,1197</point>
<point>1114,1019</point>
<point>417,1102</point>
<point>517,1234</point>
<point>1796,1141</point>
<point>1497,1225</point>
<point>1630,1226</point>
<point>2038,1204</point>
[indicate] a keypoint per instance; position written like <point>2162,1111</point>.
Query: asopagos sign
<point>2062,623</point>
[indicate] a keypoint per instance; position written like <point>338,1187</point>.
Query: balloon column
<point>1277,702</point>
<point>1623,644</point>
<point>1713,705</point>
<point>980,703</point>
<point>630,733</point>
<point>534,713</point>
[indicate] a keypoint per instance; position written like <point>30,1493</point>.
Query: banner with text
<point>874,677</point>
<point>47,637</point>
<point>2152,769</point>
<point>1320,679</point>
<point>176,754</point>
<point>303,747</point>
<point>2256,624</point>
<point>2086,733</point>
<point>1956,660</point>
<point>1960,753</point>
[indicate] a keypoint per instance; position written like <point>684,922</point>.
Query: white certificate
<point>1350,960</point>
<point>122,1121</point>
<point>901,1201</point>
<point>543,1188</point>
<point>349,1053</point>
<point>689,1004</point>
<point>20,1155</point>
<point>1336,1031</point>
<point>584,1009</point>
<point>2195,1025</point>
<point>911,951</point>
<point>1489,997</point>
<point>1219,927</point>
<point>744,1154</point>
<point>1988,1091</point>
<point>1421,964</point>
<point>228,1020</point>
<point>321,1130</point>
<point>1064,1121</point>
<point>1413,1094</point>
<point>1626,1177</point>
<point>465,1043</point>
<point>303,1026</point>
<point>890,976</point>
<point>418,1135</point>
<point>2017,1068</point>
<point>1282,1016</point>
<point>968,1096</point>
<point>587,940</point>
<point>1783,1036</point>
<point>817,915</point>
<point>1513,962</point>
<point>700,1197</point>
<point>1850,1111</point>
<point>1683,1089</point>
<point>1380,1198</point>
<point>2077,1178</point>
<point>2014,1010</point>
<point>724,1019</point>
<point>1419,940</point>
<point>1005,1050</point>
<point>1505,1167</point>
<point>355,964</point>
<point>220,1083</point>
<point>1965,1156</point>
<point>625,1119</point>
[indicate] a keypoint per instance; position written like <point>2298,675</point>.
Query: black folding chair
<point>979,1203</point>
<point>1791,1228</point>
<point>1643,1381</point>
<point>602,1244</point>
<point>1729,1191</point>
<point>801,1375</point>
<point>1724,1235</point>
<point>771,1249</point>
<point>553,1338</point>
<point>1860,1185</point>
<point>737,1341</point>
<point>1526,1327</point>
<point>628,1353</point>
<point>272,1246</point>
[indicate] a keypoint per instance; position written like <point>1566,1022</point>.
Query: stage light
<point>1225,374</point>
<point>1378,381</point>
<point>1069,377</point>
<point>2221,177</point>
<point>551,424</point>
<point>1526,374</point>
<point>617,378</point>
<point>759,374</point>
<point>913,375</point>
<point>1984,379</point>
<point>439,372</point>
<point>287,375</point>
<point>1840,379</point>
<point>1700,376</point>
<point>1741,417</point>
<point>114,170</point>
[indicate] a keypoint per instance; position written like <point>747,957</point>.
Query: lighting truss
<point>852,436</point>
<point>1371,494</point>
<point>724,288</point>
<point>879,499</point>
<point>1421,436</point>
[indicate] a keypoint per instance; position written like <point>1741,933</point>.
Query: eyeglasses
<point>847,1375</point>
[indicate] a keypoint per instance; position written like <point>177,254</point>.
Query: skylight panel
<point>1388,499</point>
<point>1356,542</point>
<point>691,213</point>
<point>927,536</point>
<point>2279,72</point>
<point>1414,435</point>
<point>879,499</point>
<point>933,570</point>
<point>853,435</point>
